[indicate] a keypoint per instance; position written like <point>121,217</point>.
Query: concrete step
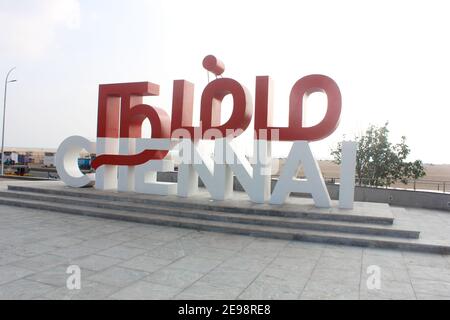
<point>296,208</point>
<point>284,222</point>
<point>237,228</point>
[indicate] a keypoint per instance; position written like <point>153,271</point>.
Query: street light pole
<point>4,113</point>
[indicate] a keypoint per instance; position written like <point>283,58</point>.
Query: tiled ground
<point>121,260</point>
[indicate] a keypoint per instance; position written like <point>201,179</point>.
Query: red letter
<point>263,107</point>
<point>211,102</point>
<point>182,109</point>
<point>295,131</point>
<point>128,98</point>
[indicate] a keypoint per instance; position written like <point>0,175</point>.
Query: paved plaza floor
<point>122,260</point>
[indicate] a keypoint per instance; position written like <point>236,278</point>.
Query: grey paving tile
<point>10,273</point>
<point>75,251</point>
<point>338,263</point>
<point>261,254</point>
<point>32,249</point>
<point>447,257</point>
<point>41,262</point>
<point>282,276</point>
<point>90,290</point>
<point>224,241</point>
<point>186,245</point>
<point>118,276</point>
<point>388,274</point>
<point>145,263</point>
<point>243,263</point>
<point>197,264</point>
<point>109,227</point>
<point>101,243</point>
<point>267,244</point>
<point>389,290</point>
<point>144,290</point>
<point>230,277</point>
<point>141,230</point>
<point>263,248</point>
<point>429,273</point>
<point>144,243</point>
<point>95,262</point>
<point>169,251</point>
<point>13,233</point>
<point>174,277</point>
<point>84,233</point>
<point>61,241</point>
<point>382,252</point>
<point>383,261</point>
<point>122,252</point>
<point>120,236</point>
<point>310,246</point>
<point>430,287</point>
<point>33,238</point>
<point>23,289</point>
<point>301,252</point>
<point>212,253</point>
<point>425,259</point>
<point>168,234</point>
<point>204,290</point>
<point>422,296</point>
<point>261,290</point>
<point>343,252</point>
<point>301,265</point>
<point>329,290</point>
<point>7,258</point>
<point>349,276</point>
<point>56,276</point>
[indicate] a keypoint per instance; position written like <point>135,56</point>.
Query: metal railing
<point>413,184</point>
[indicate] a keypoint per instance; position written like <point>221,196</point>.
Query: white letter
<point>314,184</point>
<point>255,180</point>
<point>217,178</point>
<point>106,175</point>
<point>66,161</point>
<point>127,146</point>
<point>347,181</point>
<point>146,174</point>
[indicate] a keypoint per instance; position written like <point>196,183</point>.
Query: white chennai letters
<point>216,172</point>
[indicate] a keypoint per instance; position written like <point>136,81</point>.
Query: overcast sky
<point>391,60</point>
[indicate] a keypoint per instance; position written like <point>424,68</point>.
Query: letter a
<point>314,183</point>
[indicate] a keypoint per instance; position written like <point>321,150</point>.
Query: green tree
<point>379,162</point>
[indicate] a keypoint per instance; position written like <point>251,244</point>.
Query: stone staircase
<point>368,225</point>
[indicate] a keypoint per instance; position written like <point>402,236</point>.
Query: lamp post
<point>4,113</point>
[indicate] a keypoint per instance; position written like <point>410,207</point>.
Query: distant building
<point>38,157</point>
<point>49,159</point>
<point>11,157</point>
<point>31,155</point>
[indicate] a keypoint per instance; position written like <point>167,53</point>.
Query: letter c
<point>66,161</point>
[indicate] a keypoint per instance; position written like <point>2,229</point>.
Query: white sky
<point>391,60</point>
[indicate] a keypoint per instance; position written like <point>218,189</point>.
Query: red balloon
<point>214,65</point>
